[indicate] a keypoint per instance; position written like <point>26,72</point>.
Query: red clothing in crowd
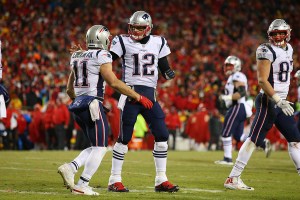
<point>48,116</point>
<point>61,115</point>
<point>180,102</point>
<point>36,127</point>
<point>172,120</point>
<point>113,116</point>
<point>197,127</point>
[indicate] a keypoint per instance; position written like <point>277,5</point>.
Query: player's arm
<point>263,72</point>
<point>165,69</point>
<point>241,90</point>
<point>111,79</point>
<point>70,86</point>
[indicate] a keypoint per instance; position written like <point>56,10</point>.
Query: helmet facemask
<point>137,32</point>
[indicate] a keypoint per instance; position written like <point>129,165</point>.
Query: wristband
<point>276,98</point>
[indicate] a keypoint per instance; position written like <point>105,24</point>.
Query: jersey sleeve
<point>104,57</point>
<point>116,46</point>
<point>240,77</point>
<point>263,52</point>
<point>164,49</point>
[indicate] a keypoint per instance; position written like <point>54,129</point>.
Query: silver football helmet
<point>232,64</point>
<point>279,32</point>
<point>140,25</point>
<point>99,37</point>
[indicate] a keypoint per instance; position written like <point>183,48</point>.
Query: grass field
<point>33,175</point>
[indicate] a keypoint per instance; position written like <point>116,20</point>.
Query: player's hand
<point>169,74</point>
<point>297,74</point>
<point>145,102</point>
<point>75,48</point>
<point>226,97</point>
<point>286,107</point>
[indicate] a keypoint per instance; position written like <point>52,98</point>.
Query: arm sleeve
<point>114,56</point>
<point>163,64</point>
<point>165,69</point>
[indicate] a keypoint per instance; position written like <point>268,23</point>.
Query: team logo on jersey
<point>108,55</point>
<point>264,50</point>
<point>114,42</point>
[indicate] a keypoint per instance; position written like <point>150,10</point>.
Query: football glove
<point>169,74</point>
<point>297,74</point>
<point>285,105</point>
<point>145,102</point>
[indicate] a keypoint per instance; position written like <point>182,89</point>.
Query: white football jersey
<point>140,61</point>
<point>86,67</point>
<point>229,87</point>
<point>281,66</point>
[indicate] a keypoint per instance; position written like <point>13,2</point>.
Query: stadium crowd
<point>37,35</point>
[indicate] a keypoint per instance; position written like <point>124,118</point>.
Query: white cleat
<point>223,162</point>
<point>268,148</point>
<point>84,190</point>
<point>67,174</point>
<point>236,183</point>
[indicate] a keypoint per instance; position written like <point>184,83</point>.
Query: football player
<point>239,109</point>
<point>235,99</point>
<point>274,67</point>
<point>143,55</point>
<point>90,71</point>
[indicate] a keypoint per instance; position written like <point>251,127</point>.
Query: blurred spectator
<point>61,117</point>
<point>50,135</point>
<point>197,128</point>
<point>173,124</point>
<point>36,128</point>
<point>215,128</point>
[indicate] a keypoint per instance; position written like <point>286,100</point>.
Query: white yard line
<point>27,169</point>
<point>29,192</point>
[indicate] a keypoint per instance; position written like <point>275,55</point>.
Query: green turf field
<point>33,175</point>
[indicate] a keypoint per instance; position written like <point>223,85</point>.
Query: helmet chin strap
<point>281,44</point>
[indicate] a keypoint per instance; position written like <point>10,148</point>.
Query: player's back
<point>86,67</point>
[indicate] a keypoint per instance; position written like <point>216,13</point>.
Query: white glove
<point>285,105</point>
<point>297,74</point>
<point>226,97</point>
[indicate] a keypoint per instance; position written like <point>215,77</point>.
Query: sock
<point>119,152</point>
<point>83,181</point>
<point>80,159</point>
<point>92,163</point>
<point>294,152</point>
<point>243,157</point>
<point>227,146</point>
<point>244,136</point>
<point>160,159</point>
